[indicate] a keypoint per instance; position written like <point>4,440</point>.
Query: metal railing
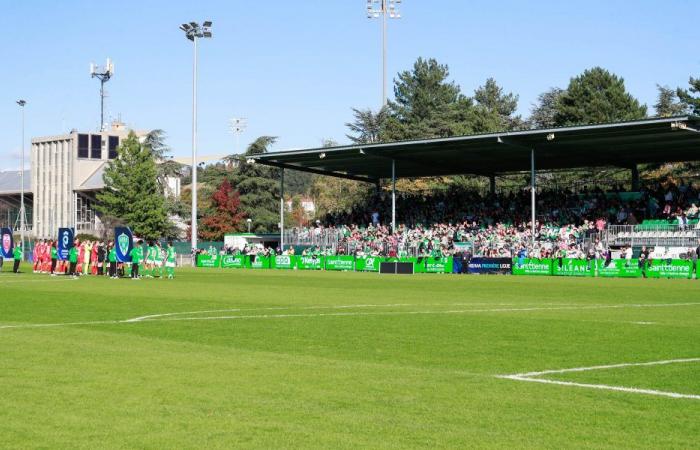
<point>652,235</point>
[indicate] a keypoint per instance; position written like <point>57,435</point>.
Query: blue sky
<point>296,68</point>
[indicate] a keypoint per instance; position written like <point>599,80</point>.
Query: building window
<point>95,146</point>
<point>113,144</point>
<point>83,146</point>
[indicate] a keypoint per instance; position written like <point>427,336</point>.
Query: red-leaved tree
<point>226,216</point>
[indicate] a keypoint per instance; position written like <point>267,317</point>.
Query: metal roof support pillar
<point>635,177</point>
<point>533,188</point>
<point>282,210</point>
<point>492,184</point>
<point>393,196</point>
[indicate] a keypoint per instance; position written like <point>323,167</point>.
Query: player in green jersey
<point>170,261</point>
<point>157,260</point>
<point>136,259</point>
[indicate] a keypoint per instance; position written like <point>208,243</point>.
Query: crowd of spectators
<point>498,225</point>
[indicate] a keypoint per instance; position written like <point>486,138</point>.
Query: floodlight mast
<point>193,31</point>
<point>103,74</point>
<point>238,126</point>
<point>22,210</point>
<point>375,9</point>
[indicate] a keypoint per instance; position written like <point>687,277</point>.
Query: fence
<point>666,235</point>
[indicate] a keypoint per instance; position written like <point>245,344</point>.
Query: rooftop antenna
<point>103,74</point>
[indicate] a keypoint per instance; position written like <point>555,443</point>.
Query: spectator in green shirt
<point>136,258</point>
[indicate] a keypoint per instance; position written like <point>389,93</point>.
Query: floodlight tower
<point>103,74</point>
<point>238,126</point>
<point>22,211</point>
<point>193,31</point>
<point>383,8</point>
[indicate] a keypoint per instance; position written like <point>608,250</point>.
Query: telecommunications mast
<point>103,74</point>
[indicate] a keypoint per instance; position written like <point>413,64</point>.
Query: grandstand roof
<point>615,144</point>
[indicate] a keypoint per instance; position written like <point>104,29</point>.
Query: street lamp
<point>193,31</point>
<point>383,8</point>
<point>22,211</point>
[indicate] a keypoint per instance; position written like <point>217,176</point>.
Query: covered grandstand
<point>622,145</point>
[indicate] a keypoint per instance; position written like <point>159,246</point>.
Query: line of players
<point>98,258</point>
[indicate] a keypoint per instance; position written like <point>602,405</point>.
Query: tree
<point>597,96</point>
<point>693,103</point>
<point>368,127</point>
<point>667,105</point>
<point>225,217</point>
<point>494,109</point>
<point>545,110</point>
<point>258,186</point>
<point>132,193</point>
<point>426,105</point>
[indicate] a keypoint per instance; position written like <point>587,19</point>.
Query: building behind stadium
<point>62,185</point>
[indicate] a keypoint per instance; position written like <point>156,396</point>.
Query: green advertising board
<point>438,265</point>
<point>234,261</point>
<point>619,268</point>
<point>309,262</point>
<point>259,262</point>
<point>677,268</point>
<point>340,263</point>
<point>368,263</point>
<point>284,262</point>
<point>572,267</point>
<point>207,260</point>
<point>532,266</point>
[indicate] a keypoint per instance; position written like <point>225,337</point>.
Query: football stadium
<point>458,272</point>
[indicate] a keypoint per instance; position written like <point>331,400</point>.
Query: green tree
<point>426,105</point>
<point>667,104</point>
<point>368,126</point>
<point>132,194</point>
<point>495,110</point>
<point>258,186</point>
<point>686,96</point>
<point>597,96</point>
<point>545,110</point>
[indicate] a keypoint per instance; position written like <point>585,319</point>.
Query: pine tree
<point>368,127</point>
<point>494,109</point>
<point>132,194</point>
<point>693,103</point>
<point>545,110</point>
<point>597,96</point>
<point>258,186</point>
<point>666,105</point>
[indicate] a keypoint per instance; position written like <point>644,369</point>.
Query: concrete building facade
<point>66,174</point>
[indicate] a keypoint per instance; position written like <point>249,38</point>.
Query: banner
<point>531,266</point>
<point>207,260</point>
<point>619,268</point>
<point>234,261</point>
<point>340,263</point>
<point>259,262</point>
<point>309,262</point>
<point>8,243</point>
<point>284,262</point>
<point>123,243</point>
<point>664,268</point>
<point>438,265</point>
<point>367,263</point>
<point>66,236</point>
<point>491,265</point>
<point>572,267</point>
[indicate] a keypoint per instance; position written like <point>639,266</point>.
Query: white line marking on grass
<point>169,316</point>
<point>533,377</point>
<point>49,280</point>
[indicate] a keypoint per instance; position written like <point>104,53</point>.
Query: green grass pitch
<point>274,359</point>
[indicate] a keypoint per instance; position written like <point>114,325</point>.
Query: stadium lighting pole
<point>22,211</point>
<point>532,193</point>
<point>393,196</point>
<point>383,8</point>
<point>282,210</point>
<point>193,31</point>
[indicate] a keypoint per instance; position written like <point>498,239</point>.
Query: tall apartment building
<point>66,174</point>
